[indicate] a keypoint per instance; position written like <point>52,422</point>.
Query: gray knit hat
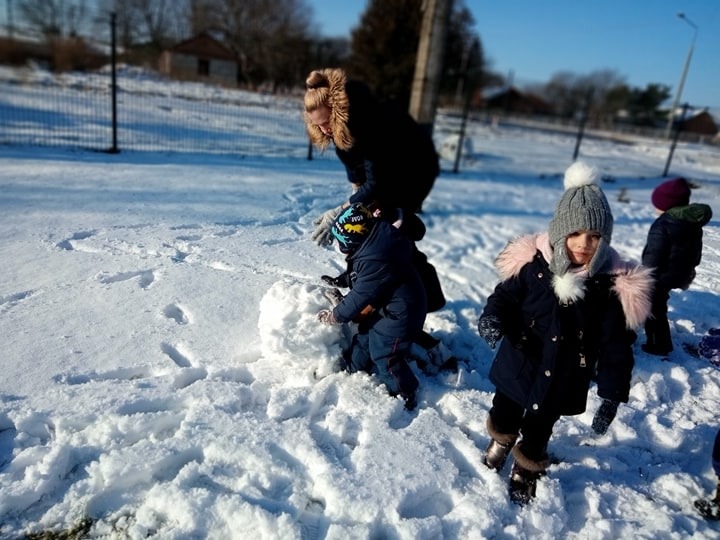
<point>583,207</point>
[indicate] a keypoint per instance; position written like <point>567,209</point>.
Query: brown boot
<point>499,447</point>
<point>524,476</point>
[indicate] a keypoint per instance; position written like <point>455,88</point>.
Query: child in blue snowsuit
<point>386,299</point>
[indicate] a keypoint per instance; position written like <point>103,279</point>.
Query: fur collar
<point>632,283</point>
<point>339,104</point>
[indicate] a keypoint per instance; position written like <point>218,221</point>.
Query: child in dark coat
<point>386,299</point>
<point>673,250</point>
<point>565,310</point>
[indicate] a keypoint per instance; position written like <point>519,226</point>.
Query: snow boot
<point>524,476</point>
<point>404,379</point>
<point>431,355</point>
<point>499,448</point>
<point>710,508</point>
<point>410,401</point>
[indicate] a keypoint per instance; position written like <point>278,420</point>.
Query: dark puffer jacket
<point>382,275</point>
<point>674,245</point>
<point>392,159</point>
<point>552,348</point>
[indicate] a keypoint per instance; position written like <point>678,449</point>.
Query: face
<point>581,246</point>
<point>320,117</point>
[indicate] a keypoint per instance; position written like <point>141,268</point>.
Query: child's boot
<point>524,476</point>
<point>499,448</point>
<point>710,508</point>
<point>405,379</point>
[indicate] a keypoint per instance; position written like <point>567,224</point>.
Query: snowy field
<point>164,375</point>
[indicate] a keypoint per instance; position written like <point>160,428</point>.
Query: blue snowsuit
<point>382,275</point>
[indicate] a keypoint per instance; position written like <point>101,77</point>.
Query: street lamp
<point>682,16</point>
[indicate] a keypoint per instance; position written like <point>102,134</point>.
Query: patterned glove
<point>604,416</point>
<point>322,235</point>
<point>334,295</point>
<point>326,317</point>
<point>490,329</point>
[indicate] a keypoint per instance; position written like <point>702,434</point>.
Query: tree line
<point>277,43</point>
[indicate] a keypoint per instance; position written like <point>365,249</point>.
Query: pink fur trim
<point>633,283</point>
<point>516,254</point>
<point>634,288</point>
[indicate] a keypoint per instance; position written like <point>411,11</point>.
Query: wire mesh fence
<point>153,114</point>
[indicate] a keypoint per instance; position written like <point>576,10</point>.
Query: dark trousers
<point>385,357</point>
<point>657,327</point>
<point>535,427</point>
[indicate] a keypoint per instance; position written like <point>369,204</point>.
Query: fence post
<point>583,119</point>
<point>461,135</point>
<point>113,85</point>
<point>678,129</point>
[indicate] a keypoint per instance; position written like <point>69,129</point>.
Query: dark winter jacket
<point>392,158</point>
<point>554,346</point>
<point>674,245</point>
<point>382,275</point>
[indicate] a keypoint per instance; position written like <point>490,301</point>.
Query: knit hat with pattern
<point>352,226</point>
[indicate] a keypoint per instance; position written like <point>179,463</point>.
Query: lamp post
<point>681,84</point>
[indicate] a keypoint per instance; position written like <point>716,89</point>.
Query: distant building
<point>700,122</point>
<point>201,57</point>
<point>510,99</point>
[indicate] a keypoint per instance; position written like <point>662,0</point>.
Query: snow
<point>164,374</point>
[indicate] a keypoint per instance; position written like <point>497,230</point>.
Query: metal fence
<point>41,108</point>
<point>156,114</point>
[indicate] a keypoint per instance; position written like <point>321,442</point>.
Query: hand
<point>326,317</point>
<point>323,223</point>
<point>604,416</point>
<point>334,295</point>
<point>490,329</point>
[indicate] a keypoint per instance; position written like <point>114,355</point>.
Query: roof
<point>206,46</point>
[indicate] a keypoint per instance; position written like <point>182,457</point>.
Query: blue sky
<point>645,42</point>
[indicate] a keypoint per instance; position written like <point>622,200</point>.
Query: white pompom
<point>580,174</point>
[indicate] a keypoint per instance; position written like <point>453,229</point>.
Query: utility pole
<point>681,84</point>
<point>10,28</point>
<point>428,65</point>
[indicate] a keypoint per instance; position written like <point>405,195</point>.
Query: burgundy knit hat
<point>675,192</point>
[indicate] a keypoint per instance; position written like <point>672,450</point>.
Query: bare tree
<point>54,18</point>
<point>155,24</point>
<point>267,35</point>
<point>572,94</point>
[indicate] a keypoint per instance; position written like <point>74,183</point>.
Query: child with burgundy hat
<point>673,250</point>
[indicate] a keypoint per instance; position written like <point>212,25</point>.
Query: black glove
<point>604,416</point>
<point>334,295</point>
<point>490,329</point>
<point>340,281</point>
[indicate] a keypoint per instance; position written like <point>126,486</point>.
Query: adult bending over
<point>390,159</point>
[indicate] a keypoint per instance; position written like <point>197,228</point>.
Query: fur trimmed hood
<point>328,88</point>
<point>632,283</point>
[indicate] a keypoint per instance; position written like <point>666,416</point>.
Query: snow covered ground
<point>164,376</point>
